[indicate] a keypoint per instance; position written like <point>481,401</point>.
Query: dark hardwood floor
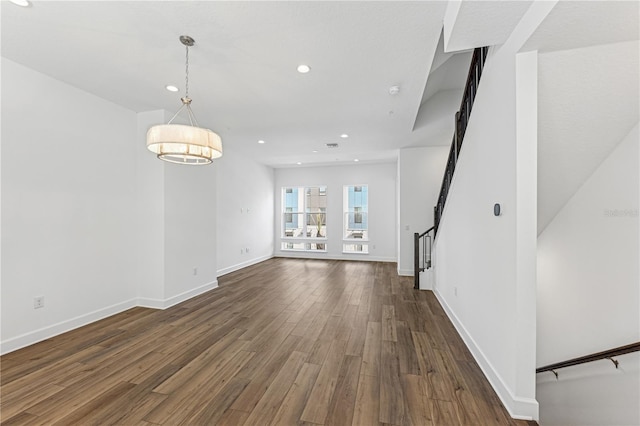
<point>284,342</point>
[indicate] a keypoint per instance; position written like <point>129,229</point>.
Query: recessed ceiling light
<point>315,151</point>
<point>171,88</point>
<point>394,90</point>
<point>23,3</point>
<point>298,163</point>
<point>303,69</point>
<point>344,136</point>
<point>260,141</point>
<point>356,160</point>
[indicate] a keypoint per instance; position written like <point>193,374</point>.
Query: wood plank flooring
<point>284,342</point>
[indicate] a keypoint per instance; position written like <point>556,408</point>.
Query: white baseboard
<point>36,336</point>
<point>356,257</point>
<point>237,267</point>
<point>174,300</point>
<point>426,277</point>
<point>44,333</point>
<point>518,408</point>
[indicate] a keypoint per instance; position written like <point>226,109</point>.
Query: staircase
<point>423,242</point>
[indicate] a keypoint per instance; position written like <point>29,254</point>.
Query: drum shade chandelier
<point>184,144</point>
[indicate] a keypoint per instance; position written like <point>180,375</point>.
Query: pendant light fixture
<point>184,144</point>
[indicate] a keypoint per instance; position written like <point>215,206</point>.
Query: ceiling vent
<point>332,145</point>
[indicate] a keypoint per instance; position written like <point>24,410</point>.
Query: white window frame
<point>303,216</point>
<point>346,240</point>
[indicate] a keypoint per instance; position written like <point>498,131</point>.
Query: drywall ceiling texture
<point>451,74</point>
<point>588,72</point>
<point>574,24</point>
<point>588,102</point>
<point>243,77</point>
<point>434,124</point>
<point>471,24</point>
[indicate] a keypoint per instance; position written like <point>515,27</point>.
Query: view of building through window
<point>316,208</point>
<point>356,220</point>
<point>304,217</point>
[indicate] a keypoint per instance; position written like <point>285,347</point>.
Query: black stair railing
<point>422,258</point>
<point>608,354</point>
<point>461,121</point>
<point>422,244</point>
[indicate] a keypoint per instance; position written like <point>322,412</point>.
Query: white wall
<point>475,262</point>
<point>480,259</point>
<point>176,224</point>
<point>190,262</point>
<point>381,179</point>
<point>589,296</point>
<point>420,172</point>
<point>68,232</point>
<point>245,212</point>
<point>149,214</point>
<point>91,220</point>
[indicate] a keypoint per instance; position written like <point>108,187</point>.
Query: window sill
<point>306,238</point>
<point>304,251</point>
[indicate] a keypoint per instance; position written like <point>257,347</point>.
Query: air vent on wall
<point>332,145</point>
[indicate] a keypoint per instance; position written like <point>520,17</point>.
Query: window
<point>357,214</point>
<point>355,248</point>
<point>292,205</point>
<point>304,211</point>
<point>356,228</point>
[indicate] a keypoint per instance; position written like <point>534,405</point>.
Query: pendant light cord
<point>186,79</point>
<point>186,101</point>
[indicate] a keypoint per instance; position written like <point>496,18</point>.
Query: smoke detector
<point>394,90</point>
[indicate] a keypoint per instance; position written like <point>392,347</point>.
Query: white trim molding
<point>178,298</point>
<point>238,266</point>
<point>518,408</point>
<point>44,333</point>
<point>350,256</point>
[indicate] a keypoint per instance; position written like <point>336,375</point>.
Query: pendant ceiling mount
<point>184,144</point>
<point>187,41</point>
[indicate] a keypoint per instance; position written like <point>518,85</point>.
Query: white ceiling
<point>586,108</point>
<point>575,24</point>
<point>449,71</point>
<point>588,90</point>
<point>472,24</point>
<point>243,77</point>
<point>245,85</point>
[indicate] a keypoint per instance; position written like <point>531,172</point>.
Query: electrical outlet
<point>455,291</point>
<point>195,271</point>
<point>246,250</point>
<point>38,302</point>
<point>241,251</point>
